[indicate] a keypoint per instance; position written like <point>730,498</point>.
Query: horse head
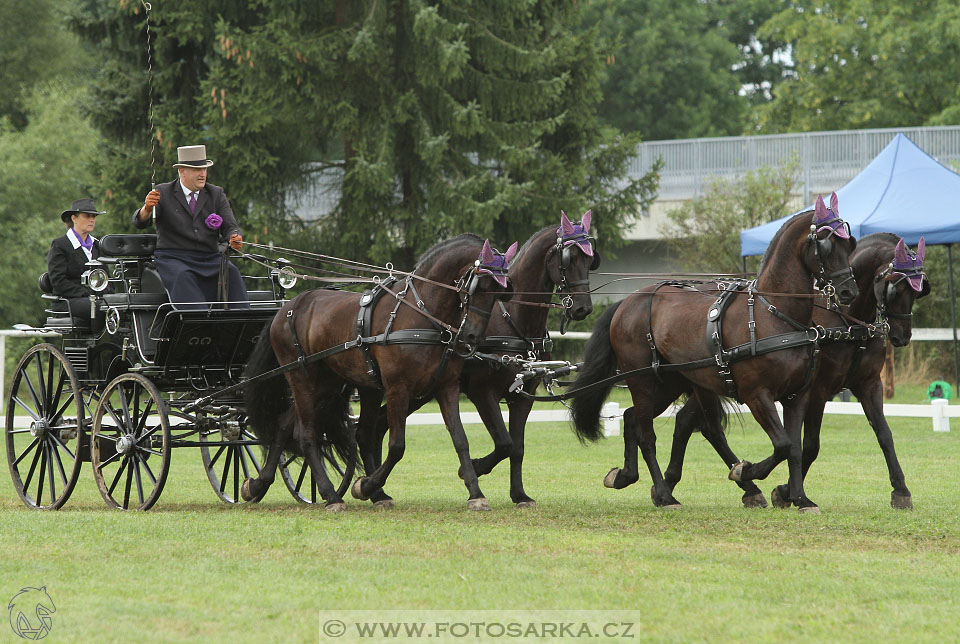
<point>482,284</point>
<point>569,264</point>
<point>897,286</point>
<point>826,253</point>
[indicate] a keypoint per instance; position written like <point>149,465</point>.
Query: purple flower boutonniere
<point>214,221</point>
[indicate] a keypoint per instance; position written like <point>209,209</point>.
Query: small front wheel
<point>130,443</point>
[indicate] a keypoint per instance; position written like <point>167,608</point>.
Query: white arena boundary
<point>939,411</point>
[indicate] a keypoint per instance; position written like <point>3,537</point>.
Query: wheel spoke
<point>213,461</point>
<point>33,414</point>
<point>237,460</point>
<point>43,390</point>
<point>50,482</point>
<point>24,452</point>
<point>66,403</point>
<point>42,453</point>
<point>48,385</point>
<point>55,398</point>
<point>226,470</point>
<point>146,467</point>
<point>37,402</point>
<point>64,447</point>
<point>116,479</point>
<point>126,488</point>
<point>56,454</point>
<point>136,469</point>
<point>303,473</point>
<point>253,459</point>
<point>142,421</point>
<point>33,464</point>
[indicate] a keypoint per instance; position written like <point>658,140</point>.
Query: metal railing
<point>827,159</point>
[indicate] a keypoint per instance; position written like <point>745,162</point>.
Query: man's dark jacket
<point>177,229</point>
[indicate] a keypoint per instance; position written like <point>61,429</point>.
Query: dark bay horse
<point>452,290</point>
<point>553,259</point>
<point>889,279</point>
<point>660,328</point>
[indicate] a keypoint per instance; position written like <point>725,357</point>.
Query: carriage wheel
<point>299,479</point>
<point>130,443</point>
<point>228,466</point>
<point>45,457</point>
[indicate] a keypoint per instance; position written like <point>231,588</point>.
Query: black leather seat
<point>59,309</point>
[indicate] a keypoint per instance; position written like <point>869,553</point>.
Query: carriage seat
<point>141,245</point>
<point>58,309</point>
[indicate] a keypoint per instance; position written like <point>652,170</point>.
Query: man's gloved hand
<point>151,200</point>
<point>236,242</point>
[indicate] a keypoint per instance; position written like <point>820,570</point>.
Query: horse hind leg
<point>488,406</point>
<point>253,489</point>
<point>311,429</point>
<point>519,412</point>
<point>371,429</point>
<point>619,478</point>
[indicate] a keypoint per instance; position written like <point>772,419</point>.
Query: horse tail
<point>266,399</point>
<point>332,414</point>
<point>599,362</point>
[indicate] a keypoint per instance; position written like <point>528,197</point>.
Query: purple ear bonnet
<point>829,218</point>
<point>910,264</point>
<point>579,233</point>
<point>494,263</point>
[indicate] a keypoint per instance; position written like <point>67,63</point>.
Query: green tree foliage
<point>684,69</point>
<point>429,118</point>
<point>866,64</point>
<point>704,233</point>
<point>43,172</point>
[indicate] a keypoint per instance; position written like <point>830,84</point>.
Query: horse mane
<point>526,244</point>
<point>877,239</point>
<point>431,254</point>
<point>776,238</point>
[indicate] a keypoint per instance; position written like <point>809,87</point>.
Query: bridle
<point>822,248</point>
<point>565,288</point>
<point>889,292</point>
<point>466,286</point>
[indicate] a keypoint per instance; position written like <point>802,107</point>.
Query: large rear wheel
<point>44,428</point>
<point>130,443</point>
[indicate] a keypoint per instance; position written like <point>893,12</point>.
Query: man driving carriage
<point>193,218</point>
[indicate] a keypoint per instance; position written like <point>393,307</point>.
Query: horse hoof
<point>339,506</point>
<point>810,509</point>
<point>523,505</point>
<point>356,490</point>
<point>736,472</point>
<point>245,492</point>
<point>755,501</point>
<point>478,505</point>
<point>611,477</point>
<point>672,504</point>
<point>779,501</point>
<point>385,504</point>
<point>901,501</point>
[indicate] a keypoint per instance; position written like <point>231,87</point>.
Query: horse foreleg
<point>519,411</point>
<point>487,403</point>
<point>660,492</point>
<point>447,397</point>
<point>310,433</point>
<point>619,478</point>
<point>785,438</point>
<point>870,397</point>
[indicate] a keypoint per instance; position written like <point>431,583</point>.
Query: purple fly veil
<point>829,218</point>
<point>910,264</point>
<point>575,233</point>
<point>494,263</point>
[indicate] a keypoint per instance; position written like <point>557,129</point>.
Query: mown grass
<point>195,570</point>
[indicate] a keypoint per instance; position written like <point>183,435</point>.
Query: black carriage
<point>157,377</point>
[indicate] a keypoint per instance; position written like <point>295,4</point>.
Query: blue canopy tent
<point>904,191</point>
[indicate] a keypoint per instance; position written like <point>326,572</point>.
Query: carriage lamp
<point>96,278</point>
<point>284,275</point>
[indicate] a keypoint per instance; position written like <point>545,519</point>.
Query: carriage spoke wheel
<point>43,453</point>
<point>229,465</point>
<point>298,477</point>
<point>130,443</point>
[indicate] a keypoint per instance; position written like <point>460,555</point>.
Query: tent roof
<point>903,190</point>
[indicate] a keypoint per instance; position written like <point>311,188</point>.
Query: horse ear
<point>566,228</point>
<point>921,250</point>
<point>835,204</point>
<point>900,253</point>
<point>511,252</point>
<point>586,220</point>
<point>820,209</point>
<point>486,254</point>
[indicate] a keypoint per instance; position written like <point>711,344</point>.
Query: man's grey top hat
<point>78,206</point>
<point>192,156</point>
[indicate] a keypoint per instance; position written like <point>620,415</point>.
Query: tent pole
<point>953,319</point>
<point>744,259</point>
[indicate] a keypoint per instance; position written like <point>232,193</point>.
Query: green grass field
<point>193,569</point>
